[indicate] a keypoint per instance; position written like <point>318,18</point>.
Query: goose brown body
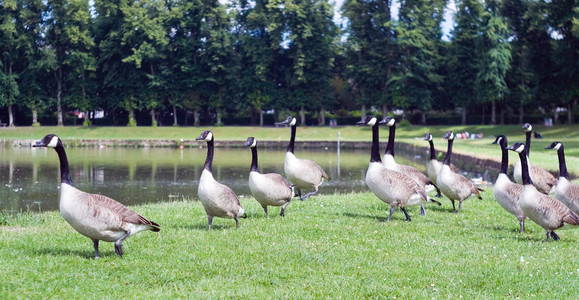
<point>95,216</point>
<point>453,185</point>
<point>565,191</point>
<point>543,209</point>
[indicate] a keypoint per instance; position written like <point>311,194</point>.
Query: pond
<point>30,177</point>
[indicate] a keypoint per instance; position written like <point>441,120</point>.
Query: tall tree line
<point>201,60</point>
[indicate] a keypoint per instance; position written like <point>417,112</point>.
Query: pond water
<point>30,177</point>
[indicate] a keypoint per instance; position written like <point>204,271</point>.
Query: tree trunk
<point>494,112</point>
<point>423,117</point>
<point>175,123</point>
<point>303,116</point>
<point>87,121</point>
<point>261,118</point>
<point>196,120</point>
<point>384,110</point>
<point>321,117</point>
<point>253,116</point>
<point>34,116</point>
<point>502,121</point>
<point>522,83</point>
<point>132,121</point>
<point>484,114</point>
<point>218,115</point>
<point>363,111</point>
<point>10,116</point>
<point>58,75</point>
<point>153,118</point>
<point>555,116</point>
<point>463,121</point>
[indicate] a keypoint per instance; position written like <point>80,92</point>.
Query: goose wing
<point>542,179</point>
<point>108,210</point>
<point>311,165</point>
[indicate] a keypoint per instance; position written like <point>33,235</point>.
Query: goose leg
<point>422,210</point>
<point>453,207</point>
<point>554,236</point>
<point>96,248</point>
<point>309,194</point>
<point>438,194</point>
<point>406,214</point>
<point>236,222</point>
<point>522,222</point>
<point>265,210</point>
<point>119,244</point>
<point>210,220</point>
<point>459,206</point>
<point>282,213</point>
<point>391,212</point>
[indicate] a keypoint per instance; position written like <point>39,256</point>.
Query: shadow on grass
<point>88,254</point>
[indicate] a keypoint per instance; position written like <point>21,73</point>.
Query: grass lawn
<point>329,246</point>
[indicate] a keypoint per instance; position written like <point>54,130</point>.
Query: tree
<point>9,89</point>
<point>490,82</point>
<point>464,59</point>
<point>69,37</point>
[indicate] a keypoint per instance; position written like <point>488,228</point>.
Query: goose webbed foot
<point>96,248</point>
<point>422,210</point>
<point>406,214</point>
<point>552,234</point>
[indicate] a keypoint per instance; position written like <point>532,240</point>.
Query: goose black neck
<point>528,143</point>
<point>505,158</point>
<point>209,160</point>
<point>253,159</point>
<point>432,153</point>
<point>448,152</point>
<point>290,146</point>
<point>64,169</point>
<point>390,145</point>
<point>375,151</point>
<point>525,168</point>
<point>562,165</point>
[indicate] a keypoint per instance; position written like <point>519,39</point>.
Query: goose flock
<point>103,219</point>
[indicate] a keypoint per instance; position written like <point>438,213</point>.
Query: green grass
<point>329,246</point>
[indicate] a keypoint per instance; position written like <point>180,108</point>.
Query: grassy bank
<point>409,134</point>
<point>327,247</point>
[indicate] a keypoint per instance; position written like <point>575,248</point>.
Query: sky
<point>446,25</point>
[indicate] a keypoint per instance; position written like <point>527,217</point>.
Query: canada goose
<point>389,162</point>
<point>218,199</point>
<point>303,173</point>
<point>392,187</point>
<point>434,165</point>
<point>95,216</point>
<point>455,186</point>
<point>508,193</point>
<point>565,191</point>
<point>268,189</point>
<point>542,209</point>
<point>543,180</point>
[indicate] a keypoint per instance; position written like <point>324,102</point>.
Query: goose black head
<point>390,121</point>
<point>527,127</point>
<point>449,135</point>
<point>369,120</point>
<point>50,140</point>
<point>555,146</point>
<point>500,139</point>
<point>428,137</point>
<point>291,121</point>
<point>205,136</point>
<point>517,147</point>
<point>251,142</point>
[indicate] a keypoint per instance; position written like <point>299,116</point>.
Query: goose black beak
<point>39,144</point>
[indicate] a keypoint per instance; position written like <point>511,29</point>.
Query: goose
<point>543,180</point>
<point>218,199</point>
<point>269,189</point>
<point>542,209</point>
<point>303,173</point>
<point>506,192</point>
<point>95,216</point>
<point>433,166</point>
<point>389,162</point>
<point>454,185</point>
<point>565,191</point>
<point>391,187</point>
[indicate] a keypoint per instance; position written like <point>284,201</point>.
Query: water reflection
<point>30,176</point>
